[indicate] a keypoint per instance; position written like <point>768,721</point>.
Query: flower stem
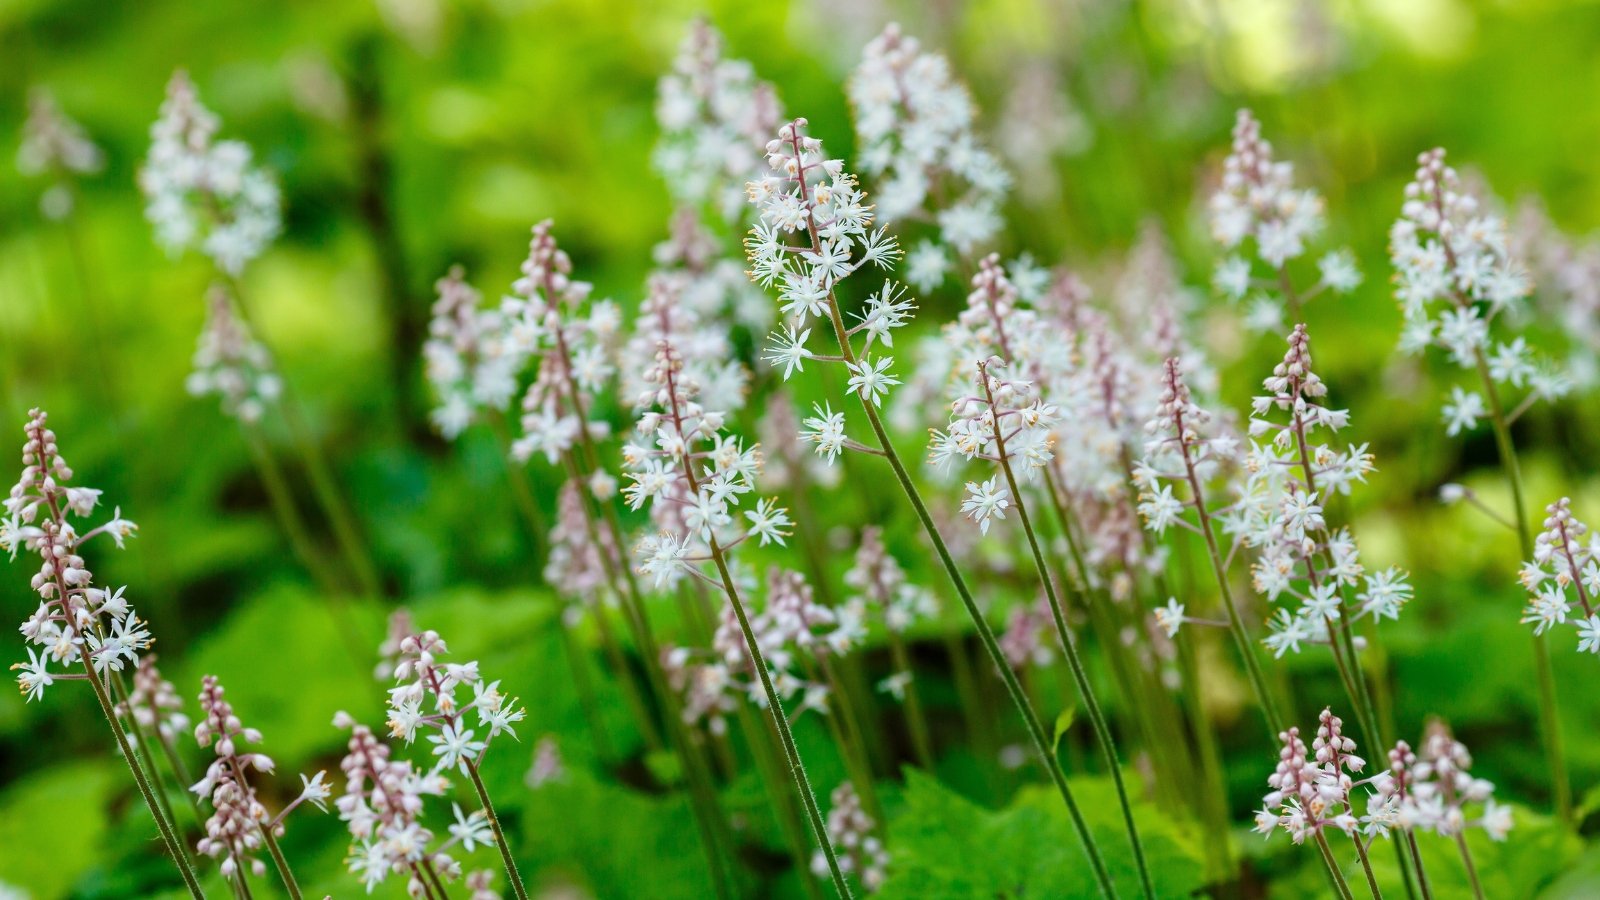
<point>1549,716</point>
<point>1091,705</point>
<point>278,860</point>
<point>1366,867</point>
<point>1472,870</point>
<point>1030,717</point>
<point>921,746</point>
<point>174,848</point>
<point>1241,638</point>
<point>1340,886</point>
<point>797,771</point>
<point>1416,862</point>
<point>499,836</point>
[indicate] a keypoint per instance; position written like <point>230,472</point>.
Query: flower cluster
<point>75,621</point>
<point>239,823</point>
<point>815,198</point>
<point>1280,510</point>
<point>692,475</point>
<point>1455,276</point>
<point>575,349</point>
<point>882,587</point>
<point>1257,199</point>
<point>1440,787</point>
<point>791,630</point>
<point>1181,448</point>
<point>715,116</point>
<point>1567,271</point>
<point>1030,637</point>
<point>1564,568</point>
<point>469,356</point>
<point>205,193</point>
<point>230,363</point>
<point>1313,792</point>
<point>426,698</point>
<point>850,829</point>
<point>698,334</point>
<point>56,146</point>
<point>153,702</point>
<point>914,122</point>
<point>382,807</point>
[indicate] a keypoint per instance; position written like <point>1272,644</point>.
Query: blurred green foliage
<point>493,114</point>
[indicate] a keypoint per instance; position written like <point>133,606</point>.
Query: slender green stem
<point>1241,638</point>
<point>1108,747</point>
<point>499,836</point>
<point>1340,886</point>
<point>1366,867</point>
<point>1466,860</point>
<point>991,645</point>
<point>323,485</point>
<point>916,723</point>
<point>521,491</point>
<point>1416,863</point>
<point>780,720</point>
<point>174,848</point>
<point>279,861</point>
<point>1549,716</point>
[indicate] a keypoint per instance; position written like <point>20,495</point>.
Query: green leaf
<point>943,845</point>
<point>70,801</point>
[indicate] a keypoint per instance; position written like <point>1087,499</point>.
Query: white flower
<point>985,501</point>
<point>1589,635</point>
<point>826,431</point>
<point>768,521</point>
<point>455,747</point>
<point>35,675</point>
<point>664,556</point>
<point>1339,271</point>
<point>1232,277</point>
<point>1463,411</point>
<point>315,791</point>
<point>471,830</point>
<point>1169,618</point>
<point>1160,508</point>
<point>870,380</point>
<point>789,350</point>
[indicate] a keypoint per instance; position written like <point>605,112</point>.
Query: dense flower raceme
<point>792,631</point>
<point>470,357</point>
<point>204,193</point>
<point>861,852</point>
<point>239,821</point>
<point>55,146</point>
<point>1564,568</point>
<point>691,475</point>
<point>815,230</point>
<point>698,335</point>
<point>1319,790</point>
<point>575,347</point>
<point>382,806</point>
<point>1455,277</point>
<point>715,117</point>
<point>1182,447</point>
<point>1567,273</point>
<point>76,623</point>
<point>1313,791</point>
<point>154,702</point>
<point>1288,479</point>
<point>230,363</point>
<point>426,699</point>
<point>915,124</point>
<point>1257,200</point>
<point>882,591</point>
